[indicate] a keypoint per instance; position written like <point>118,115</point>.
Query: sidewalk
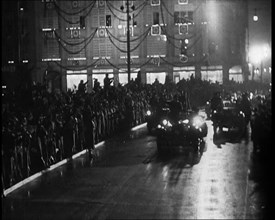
<point>54,166</point>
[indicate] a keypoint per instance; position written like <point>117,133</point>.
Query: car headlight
<point>186,121</point>
<point>166,123</point>
<point>148,113</point>
<point>241,113</point>
<point>197,121</point>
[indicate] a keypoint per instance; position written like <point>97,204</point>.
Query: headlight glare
<point>197,121</point>
<point>166,123</point>
<point>241,113</point>
<point>186,121</point>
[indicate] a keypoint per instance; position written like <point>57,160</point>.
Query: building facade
<point>73,40</point>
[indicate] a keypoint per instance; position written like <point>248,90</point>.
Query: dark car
<point>187,131</point>
<point>153,116</point>
<point>229,118</point>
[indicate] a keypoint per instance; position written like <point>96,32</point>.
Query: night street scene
<point>144,109</point>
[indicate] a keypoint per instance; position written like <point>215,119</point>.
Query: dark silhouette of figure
<point>175,108</point>
<point>107,81</point>
<point>82,86</point>
<point>96,85</point>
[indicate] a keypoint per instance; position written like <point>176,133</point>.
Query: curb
<point>138,127</point>
<point>40,173</point>
<point>52,167</point>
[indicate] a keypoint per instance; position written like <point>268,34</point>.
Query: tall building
<point>73,40</point>
<point>18,43</point>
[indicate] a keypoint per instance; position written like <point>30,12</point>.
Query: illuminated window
<point>74,79</point>
<point>151,77</point>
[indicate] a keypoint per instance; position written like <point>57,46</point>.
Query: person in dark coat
<point>245,106</point>
<point>82,87</point>
<point>175,108</point>
<point>89,127</point>
<point>107,81</point>
<point>68,134</point>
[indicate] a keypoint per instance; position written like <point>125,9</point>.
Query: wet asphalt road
<point>129,179</point>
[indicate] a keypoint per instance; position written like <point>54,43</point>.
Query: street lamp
<point>257,54</point>
<point>255,16</point>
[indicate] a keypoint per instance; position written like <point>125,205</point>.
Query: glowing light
<point>255,18</point>
<point>255,54</point>
<point>185,121</point>
<point>197,121</point>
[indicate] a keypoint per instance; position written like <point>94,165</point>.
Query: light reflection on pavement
<point>129,179</point>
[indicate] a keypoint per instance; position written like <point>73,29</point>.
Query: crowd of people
<point>261,126</point>
<point>40,128</point>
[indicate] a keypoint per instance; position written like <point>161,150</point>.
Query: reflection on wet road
<point>129,179</point>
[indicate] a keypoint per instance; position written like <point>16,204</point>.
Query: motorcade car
<point>229,119</point>
<point>187,130</point>
<point>153,116</point>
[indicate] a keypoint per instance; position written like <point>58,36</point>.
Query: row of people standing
<point>263,151</point>
<point>47,128</point>
<point>54,126</point>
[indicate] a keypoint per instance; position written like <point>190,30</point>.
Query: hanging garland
<point>183,65</point>
<point>76,22</point>
<point>76,52</point>
<point>121,19</point>
<point>125,41</point>
<point>162,4</point>
<point>111,5</point>
<point>77,43</point>
<point>116,67</point>
<point>77,67</point>
<point>124,51</point>
<point>169,36</point>
<point>73,13</point>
